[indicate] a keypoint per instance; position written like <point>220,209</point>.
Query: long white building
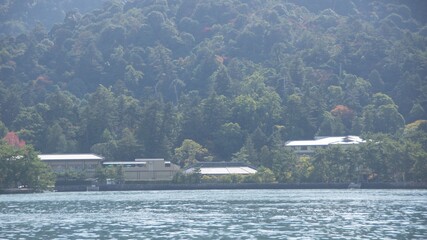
<point>221,168</point>
<point>78,163</point>
<point>140,170</point>
<point>307,147</point>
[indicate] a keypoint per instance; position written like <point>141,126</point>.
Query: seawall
<point>208,186</point>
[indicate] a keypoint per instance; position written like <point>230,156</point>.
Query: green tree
<point>133,76</point>
<point>215,112</point>
<point>336,95</point>
<point>417,132</point>
<point>190,152</point>
<point>389,120</point>
<point>265,157</point>
<point>30,125</point>
<point>331,126</point>
<point>244,112</point>
<point>11,103</point>
<point>247,153</point>
<point>109,149</point>
<point>283,161</point>
<point>264,175</point>
<point>257,105</point>
<point>389,158</point>
<point>382,115</point>
<point>129,112</point>
<point>192,117</point>
<point>22,167</point>
<point>228,140</point>
<point>158,129</point>
<point>221,80</point>
<point>193,177</point>
<point>335,164</point>
<point>303,169</point>
<point>357,91</point>
<point>55,140</point>
<point>128,147</point>
<point>297,124</point>
<point>99,114</point>
<point>163,71</point>
<point>376,80</point>
<point>62,104</point>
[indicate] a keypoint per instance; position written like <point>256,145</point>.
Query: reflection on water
<point>214,214</point>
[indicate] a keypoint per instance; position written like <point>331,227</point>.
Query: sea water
<point>216,214</point>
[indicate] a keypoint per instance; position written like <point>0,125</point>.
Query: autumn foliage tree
<point>12,139</point>
<point>345,114</point>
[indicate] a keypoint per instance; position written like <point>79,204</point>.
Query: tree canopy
<point>20,166</point>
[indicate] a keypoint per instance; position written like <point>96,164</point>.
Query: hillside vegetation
<point>223,80</point>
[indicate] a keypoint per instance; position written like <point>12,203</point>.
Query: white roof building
<point>309,146</point>
<point>221,168</point>
<point>86,156</point>
<point>78,163</point>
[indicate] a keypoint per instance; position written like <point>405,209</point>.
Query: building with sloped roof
<point>221,168</point>
<point>85,164</point>
<point>307,147</point>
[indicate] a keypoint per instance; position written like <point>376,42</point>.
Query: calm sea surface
<point>216,214</point>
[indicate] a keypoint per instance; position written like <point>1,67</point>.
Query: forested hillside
<point>202,80</point>
<point>19,17</point>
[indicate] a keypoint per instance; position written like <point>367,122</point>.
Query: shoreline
<point>218,186</point>
<point>224,186</point>
<point>17,190</point>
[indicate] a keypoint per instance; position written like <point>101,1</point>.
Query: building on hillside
<point>85,164</point>
<point>307,147</point>
<point>221,168</point>
<point>146,170</point>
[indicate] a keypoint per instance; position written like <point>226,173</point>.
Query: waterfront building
<point>145,169</point>
<point>308,147</point>
<point>221,168</point>
<point>82,164</point>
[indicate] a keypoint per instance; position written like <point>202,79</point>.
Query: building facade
<point>146,170</point>
<point>83,164</point>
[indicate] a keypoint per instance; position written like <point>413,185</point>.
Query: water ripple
<point>216,214</point>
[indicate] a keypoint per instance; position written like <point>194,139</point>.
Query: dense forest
<point>220,80</point>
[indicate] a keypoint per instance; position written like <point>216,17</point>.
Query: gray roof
<point>124,163</point>
<point>148,159</point>
<point>140,161</point>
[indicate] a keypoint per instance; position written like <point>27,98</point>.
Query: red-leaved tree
<point>12,139</point>
<point>345,113</point>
